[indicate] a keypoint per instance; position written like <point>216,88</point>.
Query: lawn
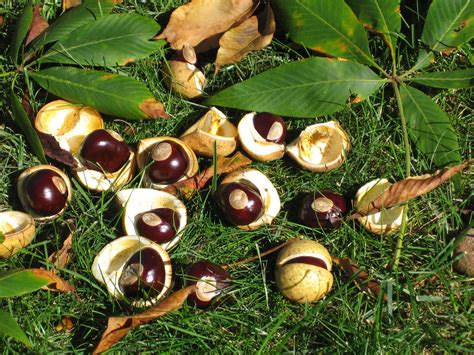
<point>429,306</point>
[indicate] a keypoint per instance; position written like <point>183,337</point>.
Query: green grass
<point>429,307</point>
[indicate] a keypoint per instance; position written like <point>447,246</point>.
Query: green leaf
<point>22,27</point>
<point>449,23</point>
<point>306,88</point>
<point>19,282</point>
<point>325,26</point>
<point>111,40</point>
<point>86,12</point>
<point>2,237</point>
<point>112,94</point>
<point>457,79</point>
<point>429,127</point>
<point>10,327</point>
<point>20,117</point>
<point>380,16</point>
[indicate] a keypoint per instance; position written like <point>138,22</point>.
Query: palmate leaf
<point>21,31</point>
<point>112,94</point>
<point>380,16</point>
<point>429,127</point>
<point>71,20</point>
<point>456,79</point>
<point>10,327</point>
<point>19,282</point>
<point>111,40</point>
<point>449,23</point>
<point>325,26</point>
<point>20,117</point>
<point>306,88</point>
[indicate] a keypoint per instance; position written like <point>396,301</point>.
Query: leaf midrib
<point>65,50</point>
<point>88,88</point>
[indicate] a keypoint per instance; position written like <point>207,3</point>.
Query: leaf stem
<point>406,142</point>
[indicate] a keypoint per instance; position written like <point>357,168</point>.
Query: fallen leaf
<point>56,283</point>
<point>153,109</point>
<point>118,327</point>
<point>53,150</point>
<point>38,25</point>
<point>224,165</point>
<point>66,324</point>
<point>62,257</point>
<point>198,20</point>
<point>408,189</point>
<point>253,34</point>
<point>361,278</point>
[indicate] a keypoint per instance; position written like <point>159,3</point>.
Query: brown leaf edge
<point>55,283</point>
<point>38,25</point>
<point>118,327</point>
<point>62,257</point>
<point>153,109</point>
<point>362,279</point>
<point>224,165</point>
<point>408,189</point>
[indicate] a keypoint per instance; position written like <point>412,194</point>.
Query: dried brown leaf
<point>153,109</point>
<point>361,278</point>
<point>408,189</point>
<point>198,20</point>
<point>62,257</point>
<point>38,25</point>
<point>118,327</point>
<point>66,324</point>
<point>224,165</point>
<point>253,34</point>
<point>56,283</point>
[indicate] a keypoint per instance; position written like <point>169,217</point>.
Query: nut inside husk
<point>18,229</point>
<point>384,222</point>
<point>64,183</point>
<point>138,201</point>
<point>320,147</point>
<point>69,123</point>
<point>109,263</point>
<point>266,190</point>
<point>212,128</point>
<point>254,144</point>
<point>303,271</point>
<point>145,147</point>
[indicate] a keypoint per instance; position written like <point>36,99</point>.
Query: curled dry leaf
<point>53,150</point>
<point>198,20</point>
<point>62,257</point>
<point>224,165</point>
<point>38,25</point>
<point>361,278</point>
<point>56,283</point>
<point>408,189</point>
<point>118,327</point>
<point>253,34</point>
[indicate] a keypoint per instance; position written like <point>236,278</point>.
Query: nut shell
<point>137,201</point>
<point>110,261</point>
<point>68,123</point>
<point>266,190</point>
<point>385,222</point>
<point>143,159</point>
<point>254,144</point>
<point>18,228</point>
<point>184,78</point>
<point>320,147</point>
<point>21,183</point>
<point>212,128</point>
<point>303,282</point>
